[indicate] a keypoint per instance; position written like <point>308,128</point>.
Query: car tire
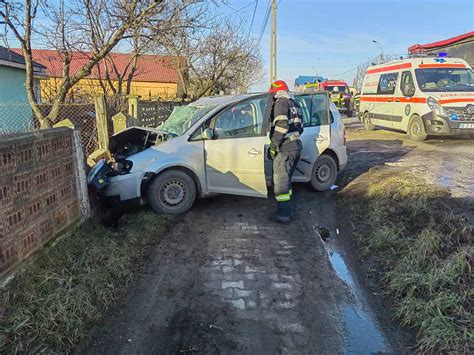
<point>172,192</point>
<point>324,173</point>
<point>368,125</point>
<point>416,129</point>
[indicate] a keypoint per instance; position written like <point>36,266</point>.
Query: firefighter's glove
<point>272,152</point>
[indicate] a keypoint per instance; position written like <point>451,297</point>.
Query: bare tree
<point>218,58</point>
<point>91,27</point>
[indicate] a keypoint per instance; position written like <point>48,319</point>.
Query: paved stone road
<point>227,280</point>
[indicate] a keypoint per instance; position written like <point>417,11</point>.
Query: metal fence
<point>152,113</point>
<point>19,117</point>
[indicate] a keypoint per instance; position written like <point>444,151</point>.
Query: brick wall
<point>38,191</point>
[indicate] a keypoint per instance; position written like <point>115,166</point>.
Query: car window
<point>315,109</point>
<point>305,103</point>
<point>244,119</point>
<point>407,85</point>
<point>387,83</point>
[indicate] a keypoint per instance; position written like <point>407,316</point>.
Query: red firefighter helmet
<point>278,85</point>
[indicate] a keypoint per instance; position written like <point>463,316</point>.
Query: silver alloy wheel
<point>172,193</point>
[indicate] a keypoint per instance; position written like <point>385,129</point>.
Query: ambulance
<point>420,96</point>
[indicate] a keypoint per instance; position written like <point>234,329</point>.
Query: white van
<point>217,145</point>
<point>421,96</point>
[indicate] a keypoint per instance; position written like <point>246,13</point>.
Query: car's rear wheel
<point>324,173</point>
<point>368,125</point>
<point>172,192</point>
<point>416,129</point>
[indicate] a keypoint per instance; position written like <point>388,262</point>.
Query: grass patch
<point>420,240</point>
<point>50,305</point>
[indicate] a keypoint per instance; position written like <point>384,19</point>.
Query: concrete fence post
<point>133,105</point>
<point>81,179</point>
<point>101,122</point>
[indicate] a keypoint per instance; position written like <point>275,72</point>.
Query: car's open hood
<point>135,139</point>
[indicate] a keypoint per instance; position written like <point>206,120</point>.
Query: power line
<point>253,16</point>
<point>234,12</point>
<point>265,22</point>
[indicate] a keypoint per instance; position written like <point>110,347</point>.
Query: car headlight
<point>436,107</point>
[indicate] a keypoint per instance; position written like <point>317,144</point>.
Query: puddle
<point>362,331</point>
<point>361,328</point>
<point>444,181</point>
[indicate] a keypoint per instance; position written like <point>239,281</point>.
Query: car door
<point>383,114</point>
<point>234,158</point>
<point>317,132</point>
<point>403,105</point>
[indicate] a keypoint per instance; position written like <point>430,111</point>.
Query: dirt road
<point>225,280</point>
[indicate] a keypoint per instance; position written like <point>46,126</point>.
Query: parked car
<point>421,96</point>
<point>217,145</point>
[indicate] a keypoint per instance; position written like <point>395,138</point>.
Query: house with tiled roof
<point>461,46</point>
<point>155,75</point>
<point>15,111</point>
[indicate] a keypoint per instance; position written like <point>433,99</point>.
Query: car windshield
<point>342,89</point>
<point>184,117</point>
<point>445,79</point>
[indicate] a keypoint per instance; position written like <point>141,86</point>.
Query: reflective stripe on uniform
<point>281,129</point>
<point>283,197</point>
<point>280,118</point>
<point>291,192</point>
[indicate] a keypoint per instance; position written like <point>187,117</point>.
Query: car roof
<point>224,99</point>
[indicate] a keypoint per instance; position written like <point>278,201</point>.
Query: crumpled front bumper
<point>126,187</point>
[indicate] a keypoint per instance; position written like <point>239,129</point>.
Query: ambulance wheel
<point>172,192</point>
<point>416,129</point>
<point>368,125</point>
<point>324,173</point>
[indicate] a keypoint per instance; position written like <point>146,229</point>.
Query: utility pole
<point>273,44</point>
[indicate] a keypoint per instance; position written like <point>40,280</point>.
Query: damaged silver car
<point>216,145</point>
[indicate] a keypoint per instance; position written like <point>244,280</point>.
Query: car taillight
<point>345,136</point>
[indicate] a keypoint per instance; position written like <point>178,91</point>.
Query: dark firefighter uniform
<point>285,147</point>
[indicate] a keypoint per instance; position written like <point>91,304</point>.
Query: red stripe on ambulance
<point>389,68</point>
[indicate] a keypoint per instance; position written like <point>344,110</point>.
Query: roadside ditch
<point>414,245</point>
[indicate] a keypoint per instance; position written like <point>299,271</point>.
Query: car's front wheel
<point>416,129</point>
<point>324,173</point>
<point>172,192</point>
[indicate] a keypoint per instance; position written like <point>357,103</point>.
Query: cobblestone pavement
<point>227,280</point>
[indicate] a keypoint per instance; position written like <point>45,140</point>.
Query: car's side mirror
<point>209,133</point>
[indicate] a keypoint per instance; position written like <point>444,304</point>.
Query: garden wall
<point>41,190</point>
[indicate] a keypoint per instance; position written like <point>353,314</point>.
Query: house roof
<point>420,47</point>
<point>11,56</point>
<point>150,68</point>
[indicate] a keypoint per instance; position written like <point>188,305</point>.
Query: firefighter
<point>285,147</point>
<point>337,97</point>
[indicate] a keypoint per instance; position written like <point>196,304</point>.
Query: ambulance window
<point>387,83</point>
<point>407,85</point>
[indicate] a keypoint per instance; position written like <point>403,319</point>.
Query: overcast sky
<point>334,36</point>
